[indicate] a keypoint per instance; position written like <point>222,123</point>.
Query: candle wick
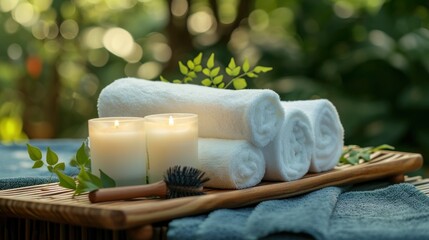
<point>171,121</point>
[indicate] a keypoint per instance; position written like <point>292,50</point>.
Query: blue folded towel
<point>16,171</point>
<point>397,212</point>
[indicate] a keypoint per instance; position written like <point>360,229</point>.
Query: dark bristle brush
<point>178,182</point>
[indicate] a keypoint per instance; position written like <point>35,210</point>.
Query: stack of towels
<point>245,135</point>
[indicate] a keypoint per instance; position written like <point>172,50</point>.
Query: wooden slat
<point>52,203</point>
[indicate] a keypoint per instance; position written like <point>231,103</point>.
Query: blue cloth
<point>396,212</point>
<point>15,164</point>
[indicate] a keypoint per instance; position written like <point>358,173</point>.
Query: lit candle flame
<point>116,123</point>
<point>171,121</point>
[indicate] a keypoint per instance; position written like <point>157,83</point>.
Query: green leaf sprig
<point>85,181</point>
<point>354,155</point>
<point>211,75</point>
<point>51,159</point>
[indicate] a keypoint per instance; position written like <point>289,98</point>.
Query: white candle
<point>118,148</point>
<point>172,139</point>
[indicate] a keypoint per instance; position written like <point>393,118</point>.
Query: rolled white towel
<point>328,132</point>
<point>230,164</point>
<point>288,156</point>
<point>253,115</point>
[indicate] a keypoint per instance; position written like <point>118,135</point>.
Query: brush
<point>178,182</point>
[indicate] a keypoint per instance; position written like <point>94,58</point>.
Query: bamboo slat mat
<point>52,203</point>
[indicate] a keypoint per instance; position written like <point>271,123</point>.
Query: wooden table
<point>50,212</point>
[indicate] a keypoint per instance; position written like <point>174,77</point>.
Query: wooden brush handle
<point>128,192</point>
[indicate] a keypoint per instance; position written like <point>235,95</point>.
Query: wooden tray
<point>52,203</point>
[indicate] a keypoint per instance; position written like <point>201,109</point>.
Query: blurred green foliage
<point>369,57</point>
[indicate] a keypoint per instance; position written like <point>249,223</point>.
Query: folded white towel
<point>253,115</point>
<point>288,156</point>
<point>328,132</point>
<point>230,164</point>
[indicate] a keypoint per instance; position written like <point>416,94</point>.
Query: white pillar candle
<point>172,139</point>
<point>118,148</point>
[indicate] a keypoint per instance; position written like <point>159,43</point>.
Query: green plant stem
<point>237,77</point>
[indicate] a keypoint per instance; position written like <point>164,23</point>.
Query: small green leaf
<point>85,186</point>
<point>183,69</point>
<point>206,72</point>
<point>231,63</point>
<point>163,79</point>
<point>222,85</point>
<point>236,71</point>
<point>210,61</point>
<point>88,177</point>
<point>190,64</point>
<point>192,74</point>
<point>60,166</point>
<point>353,160</point>
<point>177,81</point>
<point>81,157</point>
<point>106,180</point>
<point>50,169</point>
<point>34,152</point>
<point>218,79</point>
<point>73,163</point>
<point>187,79</point>
<point>251,75</point>
<point>66,181</point>
<point>366,156</point>
<point>38,164</point>
<point>197,59</point>
<point>246,66</point>
<point>239,83</point>
<point>51,157</point>
<point>383,147</point>
<point>259,69</point>
<point>206,82</point>
<point>228,71</point>
<point>214,72</point>
<point>198,68</point>
<point>95,180</point>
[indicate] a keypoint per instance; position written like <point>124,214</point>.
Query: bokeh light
<point>53,30</point>
<point>25,14</point>
<point>93,37</point>
<point>40,30</point>
<point>161,51</point>
<point>131,69</point>
<point>14,51</point>
<point>149,70</point>
<point>344,9</point>
<point>179,8</point>
<point>227,11</point>
<point>98,57</point>
<point>240,39</point>
<point>259,20</point>
<point>8,5</point>
<point>69,29</point>
<point>119,42</point>
<point>71,72</point>
<point>68,9</point>
<point>135,55</point>
<point>381,39</point>
<point>200,22</point>
<point>41,5</point>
